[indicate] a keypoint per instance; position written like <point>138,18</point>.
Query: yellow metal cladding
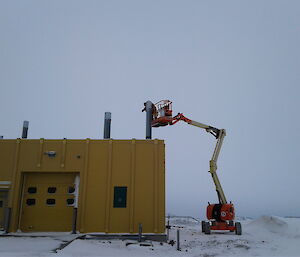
<point>135,169</point>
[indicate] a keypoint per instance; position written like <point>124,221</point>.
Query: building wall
<point>101,165</point>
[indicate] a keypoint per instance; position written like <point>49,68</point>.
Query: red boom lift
<point>221,215</point>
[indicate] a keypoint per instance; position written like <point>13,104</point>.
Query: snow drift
<point>269,223</point>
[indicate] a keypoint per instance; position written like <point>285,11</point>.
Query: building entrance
<point>48,201</point>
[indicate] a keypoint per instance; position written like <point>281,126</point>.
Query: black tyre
<point>203,226</point>
<point>238,228</point>
<point>207,228</point>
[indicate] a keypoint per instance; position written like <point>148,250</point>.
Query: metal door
<point>3,206</point>
<point>47,202</point>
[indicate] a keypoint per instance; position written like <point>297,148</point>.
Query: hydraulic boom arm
<point>219,134</point>
<point>221,215</point>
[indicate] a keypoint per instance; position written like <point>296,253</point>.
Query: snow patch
<point>265,236</point>
<point>183,220</point>
<point>270,223</point>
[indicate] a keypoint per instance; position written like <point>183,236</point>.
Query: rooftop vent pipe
<point>107,123</point>
<point>148,108</point>
<point>25,129</point>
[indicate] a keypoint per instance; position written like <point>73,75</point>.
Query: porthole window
<point>50,201</point>
<point>30,202</point>
<point>31,190</point>
<point>70,201</point>
<point>71,190</point>
<point>51,190</point>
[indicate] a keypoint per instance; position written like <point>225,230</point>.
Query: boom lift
<point>221,215</point>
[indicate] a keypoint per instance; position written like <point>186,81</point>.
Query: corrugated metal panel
<point>102,165</point>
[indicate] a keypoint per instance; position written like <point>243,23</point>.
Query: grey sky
<point>230,64</point>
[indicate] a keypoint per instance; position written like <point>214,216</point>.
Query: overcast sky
<point>230,64</point>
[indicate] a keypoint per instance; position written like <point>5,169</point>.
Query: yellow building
<point>108,186</point>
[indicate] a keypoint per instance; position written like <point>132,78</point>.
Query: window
<point>30,202</point>
<point>71,190</point>
<point>51,190</point>
<point>31,190</point>
<point>50,201</point>
<point>1,204</point>
<point>70,201</point>
<point>120,195</point>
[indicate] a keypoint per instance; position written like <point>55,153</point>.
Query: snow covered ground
<point>265,236</point>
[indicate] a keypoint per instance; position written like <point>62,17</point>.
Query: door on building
<point>3,206</point>
<point>48,202</point>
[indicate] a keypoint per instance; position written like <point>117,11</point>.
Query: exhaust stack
<point>149,109</point>
<point>25,129</point>
<point>107,125</point>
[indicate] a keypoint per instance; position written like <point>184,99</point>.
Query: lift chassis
<point>221,215</point>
